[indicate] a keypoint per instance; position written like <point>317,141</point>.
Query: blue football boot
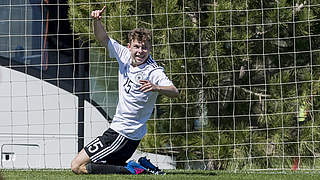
<point>150,167</point>
<point>136,168</point>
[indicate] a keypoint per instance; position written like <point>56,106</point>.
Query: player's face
<point>140,51</point>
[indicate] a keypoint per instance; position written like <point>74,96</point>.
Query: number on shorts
<point>95,147</point>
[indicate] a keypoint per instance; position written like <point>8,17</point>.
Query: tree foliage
<point>253,69</point>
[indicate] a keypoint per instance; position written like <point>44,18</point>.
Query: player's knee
<point>78,164</point>
<point>78,168</point>
<point>75,168</point>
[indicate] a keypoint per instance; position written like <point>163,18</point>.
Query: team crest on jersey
<point>139,76</point>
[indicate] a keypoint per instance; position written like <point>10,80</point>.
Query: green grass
<point>174,175</point>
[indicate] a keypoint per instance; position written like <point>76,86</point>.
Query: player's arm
<point>98,28</point>
<point>170,91</point>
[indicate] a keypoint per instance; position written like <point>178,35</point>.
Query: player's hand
<point>147,86</point>
<point>96,14</point>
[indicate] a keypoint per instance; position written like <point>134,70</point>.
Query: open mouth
<point>140,57</point>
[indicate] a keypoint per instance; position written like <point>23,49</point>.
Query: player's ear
<point>130,43</point>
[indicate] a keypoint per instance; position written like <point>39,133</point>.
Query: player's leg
<point>81,165</point>
<point>100,168</point>
<point>107,154</point>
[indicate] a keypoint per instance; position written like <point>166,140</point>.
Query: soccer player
<point>140,81</point>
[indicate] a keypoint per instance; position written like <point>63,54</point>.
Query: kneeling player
<point>140,81</point>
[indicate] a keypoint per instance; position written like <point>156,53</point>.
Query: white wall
<point>38,126</point>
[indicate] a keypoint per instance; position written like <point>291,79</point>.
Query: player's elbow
<point>174,93</point>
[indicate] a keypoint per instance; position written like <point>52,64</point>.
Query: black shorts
<point>111,148</point>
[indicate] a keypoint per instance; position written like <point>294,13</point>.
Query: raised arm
<point>98,28</point>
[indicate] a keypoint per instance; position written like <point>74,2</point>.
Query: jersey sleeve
<point>159,78</point>
<point>116,50</point>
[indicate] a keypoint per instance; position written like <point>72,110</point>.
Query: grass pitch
<point>171,175</point>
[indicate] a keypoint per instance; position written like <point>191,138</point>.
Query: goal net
<point>247,71</point>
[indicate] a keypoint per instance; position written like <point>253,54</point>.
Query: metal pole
<point>82,90</point>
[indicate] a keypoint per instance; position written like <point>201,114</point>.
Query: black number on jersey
<point>128,85</point>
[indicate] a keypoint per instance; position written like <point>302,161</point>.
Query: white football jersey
<point>134,107</point>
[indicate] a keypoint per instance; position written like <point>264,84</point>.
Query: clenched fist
<point>96,14</point>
